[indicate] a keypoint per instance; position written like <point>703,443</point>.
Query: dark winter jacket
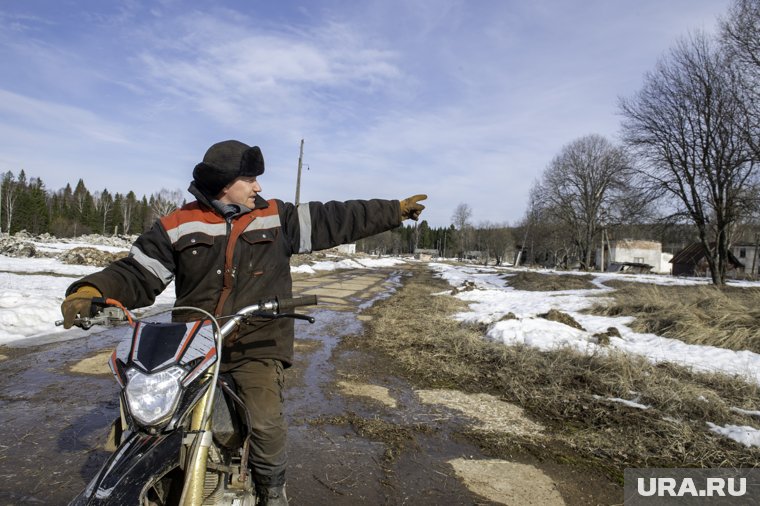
<point>221,265</point>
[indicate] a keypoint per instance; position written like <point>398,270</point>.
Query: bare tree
<point>461,221</point>
<point>165,201</point>
<point>494,240</point>
<point>689,127</point>
<point>128,205</point>
<point>545,239</point>
<point>584,186</point>
<point>740,35</point>
<point>740,31</point>
<point>11,195</point>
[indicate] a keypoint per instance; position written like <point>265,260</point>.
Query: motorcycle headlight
<point>152,398</point>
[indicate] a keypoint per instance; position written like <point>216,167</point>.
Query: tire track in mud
<point>379,440</point>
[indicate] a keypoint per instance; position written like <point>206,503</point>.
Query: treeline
<point>484,243</point>
<point>25,204</point>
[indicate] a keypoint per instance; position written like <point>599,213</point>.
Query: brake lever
<point>297,316</point>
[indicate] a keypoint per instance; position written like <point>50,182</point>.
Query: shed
<point>691,261</point>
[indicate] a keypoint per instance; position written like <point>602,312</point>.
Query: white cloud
<point>467,101</point>
<point>232,72</point>
<point>66,120</point>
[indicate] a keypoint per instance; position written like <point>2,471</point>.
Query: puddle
<point>331,325</point>
<point>389,287</point>
<point>53,421</point>
<point>310,399</point>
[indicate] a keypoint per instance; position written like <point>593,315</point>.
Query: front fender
<point>138,461</point>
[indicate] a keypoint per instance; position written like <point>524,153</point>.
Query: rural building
<point>635,252</point>
<point>691,261</point>
<point>747,255</point>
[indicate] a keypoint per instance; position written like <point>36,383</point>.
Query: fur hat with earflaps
<point>225,161</point>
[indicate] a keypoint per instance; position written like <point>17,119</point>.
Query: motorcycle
<point>182,436</point>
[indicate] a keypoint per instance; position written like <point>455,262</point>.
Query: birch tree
<point>165,201</point>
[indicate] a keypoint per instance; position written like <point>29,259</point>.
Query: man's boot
<point>271,496</point>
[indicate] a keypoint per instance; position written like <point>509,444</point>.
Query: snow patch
<point>744,434</point>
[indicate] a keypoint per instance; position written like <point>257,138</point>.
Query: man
<point>229,249</point>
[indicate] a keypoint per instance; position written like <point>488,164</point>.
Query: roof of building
<point>636,243</point>
<point>695,252</point>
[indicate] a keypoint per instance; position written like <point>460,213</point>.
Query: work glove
<point>411,208</point>
<point>78,303</point>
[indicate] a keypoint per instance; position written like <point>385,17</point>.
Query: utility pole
<point>298,181</point>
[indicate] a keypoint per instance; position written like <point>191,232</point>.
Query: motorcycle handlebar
<point>106,314</point>
<point>286,304</point>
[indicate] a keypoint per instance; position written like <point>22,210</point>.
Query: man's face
<point>242,191</point>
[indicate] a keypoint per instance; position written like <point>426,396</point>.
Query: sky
<point>23,324</point>
<point>465,101</point>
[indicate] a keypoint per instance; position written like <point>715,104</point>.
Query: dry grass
<point>555,315</point>
<point>557,389</point>
<point>541,282</point>
<point>725,317</point>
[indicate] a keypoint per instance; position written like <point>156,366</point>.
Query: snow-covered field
<point>492,299</point>
<point>34,288</point>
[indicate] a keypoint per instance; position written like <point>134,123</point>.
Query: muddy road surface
<point>358,433</point>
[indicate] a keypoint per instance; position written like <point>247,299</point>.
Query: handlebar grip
<point>96,305</point>
<point>286,304</point>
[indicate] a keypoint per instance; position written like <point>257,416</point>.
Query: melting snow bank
<point>744,434</point>
<point>348,263</point>
<point>490,300</point>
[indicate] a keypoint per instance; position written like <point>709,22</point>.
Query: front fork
<point>195,470</point>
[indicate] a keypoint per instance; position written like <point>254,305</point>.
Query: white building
<point>638,252</point>
<point>747,254</point>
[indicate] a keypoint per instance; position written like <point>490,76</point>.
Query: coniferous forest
<point>26,204</point>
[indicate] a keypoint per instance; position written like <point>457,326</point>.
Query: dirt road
<point>359,434</point>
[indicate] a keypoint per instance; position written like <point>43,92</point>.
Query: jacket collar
<point>258,202</point>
